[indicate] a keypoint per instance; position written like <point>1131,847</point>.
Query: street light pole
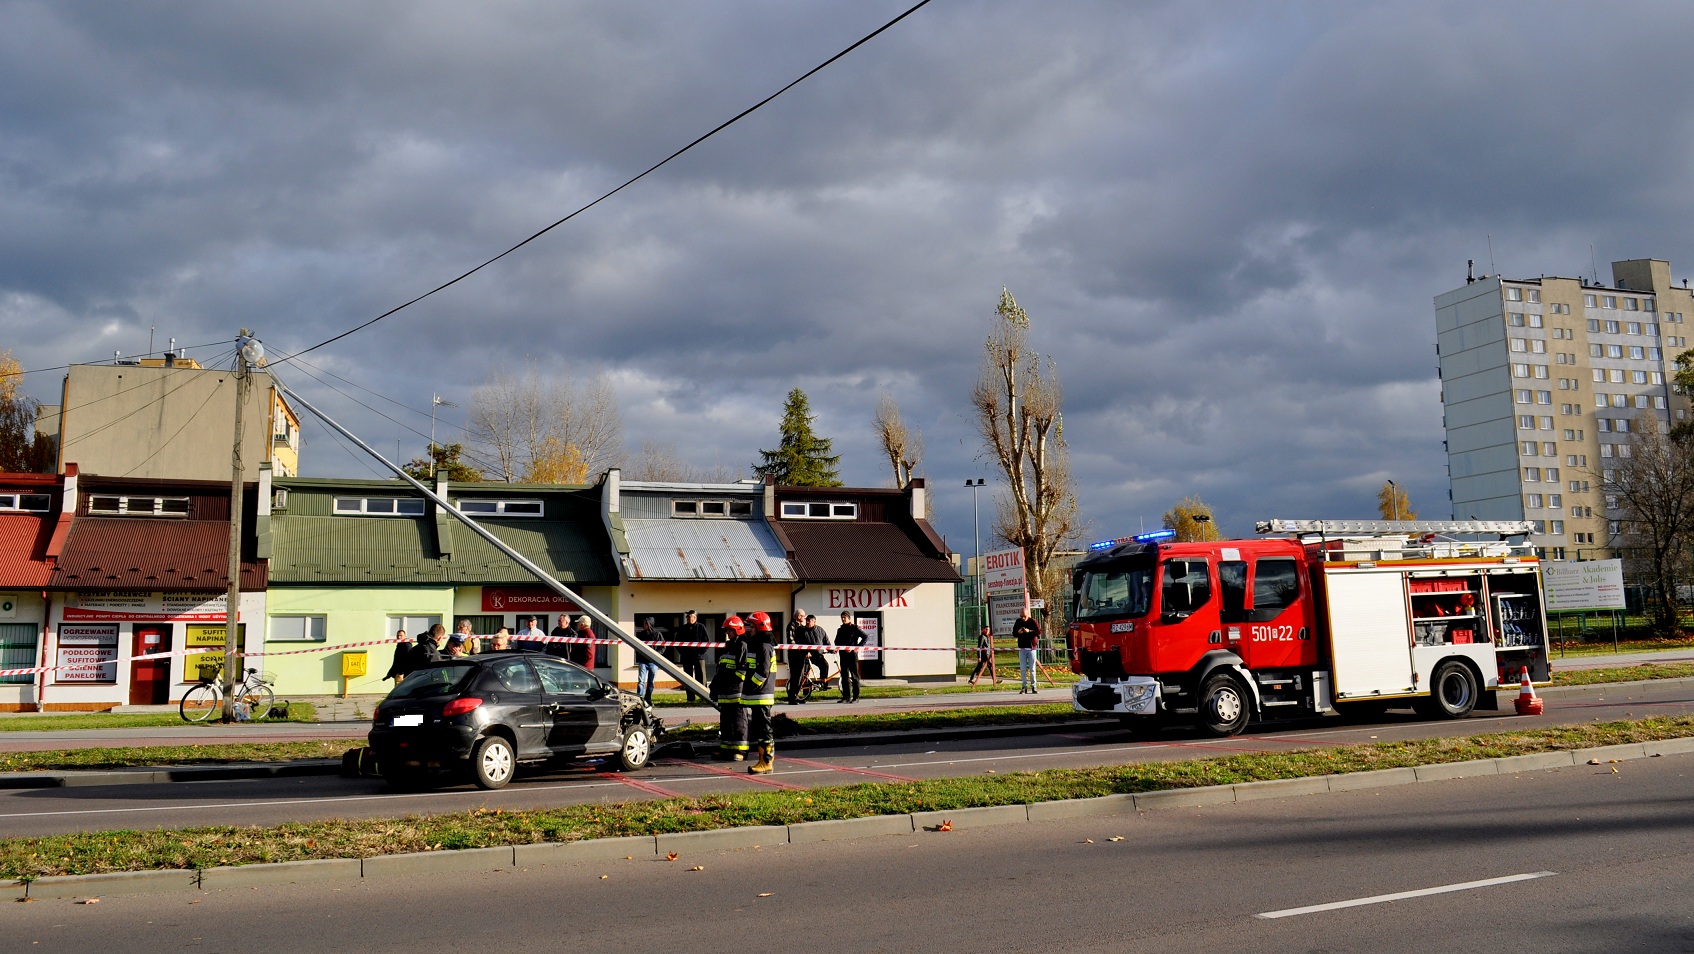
<point>1394,498</point>
<point>1205,522</point>
<point>976,544</point>
<point>250,353</point>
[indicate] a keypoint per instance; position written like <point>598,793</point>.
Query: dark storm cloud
<point>1226,221</point>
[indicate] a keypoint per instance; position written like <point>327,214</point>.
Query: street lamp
<point>1204,520</point>
<point>1394,499</point>
<point>435,401</point>
<point>976,536</point>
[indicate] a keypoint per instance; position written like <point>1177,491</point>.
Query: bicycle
<point>253,697</point>
<point>810,684</point>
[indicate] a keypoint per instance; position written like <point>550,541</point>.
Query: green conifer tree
<point>802,459</point>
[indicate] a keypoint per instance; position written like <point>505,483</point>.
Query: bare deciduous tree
<point>1653,489</point>
<point>1018,414</point>
<point>661,463</point>
<point>537,429</point>
<point>902,446</point>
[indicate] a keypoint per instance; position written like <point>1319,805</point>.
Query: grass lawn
<point>211,846</point>
<point>297,712</point>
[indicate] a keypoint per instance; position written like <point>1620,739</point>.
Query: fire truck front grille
<point>1103,665</point>
<point>1097,698</point>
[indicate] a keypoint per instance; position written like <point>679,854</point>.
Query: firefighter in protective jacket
<point>758,690</point>
<point>726,692</point>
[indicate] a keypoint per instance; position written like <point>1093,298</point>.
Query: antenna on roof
<point>1491,266</point>
<point>1594,263</point>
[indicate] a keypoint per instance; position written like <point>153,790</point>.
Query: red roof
<point>849,551</point>
<point>23,550</point>
<point>150,553</point>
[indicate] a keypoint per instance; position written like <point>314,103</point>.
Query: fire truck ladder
<point>1380,528</point>
<point>1408,539</point>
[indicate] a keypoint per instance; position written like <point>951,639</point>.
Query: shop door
<point>150,680</point>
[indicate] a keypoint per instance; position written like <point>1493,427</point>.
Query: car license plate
<point>415,718</point>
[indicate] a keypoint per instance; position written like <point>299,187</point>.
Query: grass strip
<point>297,712</point>
<point>195,754</point>
<point>1590,677</point>
<point>212,846</point>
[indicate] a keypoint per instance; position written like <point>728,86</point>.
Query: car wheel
<point>492,763</point>
<point>637,749</point>
<point>1223,706</point>
<point>1452,692</point>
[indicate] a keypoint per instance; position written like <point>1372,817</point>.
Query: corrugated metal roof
<point>854,552</point>
<point>149,553</point>
<point>403,550</point>
<point>681,549</point>
<point>23,549</point>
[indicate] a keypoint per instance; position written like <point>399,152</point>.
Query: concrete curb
<point>649,847</point>
<point>166,774</point>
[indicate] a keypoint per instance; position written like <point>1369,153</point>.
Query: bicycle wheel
<point>258,699</point>
<point>201,702</point>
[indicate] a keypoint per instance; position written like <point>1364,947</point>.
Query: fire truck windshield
<point>1117,591</point>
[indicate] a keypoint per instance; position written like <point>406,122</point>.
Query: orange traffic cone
<point>1528,703</point>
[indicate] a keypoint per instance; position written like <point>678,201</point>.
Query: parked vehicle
<point>1339,616</point>
<point>485,715</point>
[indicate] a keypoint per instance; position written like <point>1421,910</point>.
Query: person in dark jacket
<point>1028,634</point>
<point>428,650</point>
<point>851,636</point>
<point>726,692</point>
<point>984,657</point>
<point>560,632</point>
<point>820,638</point>
<point>690,657</point>
<point>799,660</point>
<point>402,664</point>
<point>646,670</point>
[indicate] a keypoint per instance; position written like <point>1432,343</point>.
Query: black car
<point>489,713</point>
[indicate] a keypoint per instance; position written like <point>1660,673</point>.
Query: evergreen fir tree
<point>802,459</point>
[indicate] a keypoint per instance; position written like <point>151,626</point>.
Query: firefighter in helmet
<point>758,690</point>
<point>726,692</point>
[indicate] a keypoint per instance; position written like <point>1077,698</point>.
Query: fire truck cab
<point>1333,616</point>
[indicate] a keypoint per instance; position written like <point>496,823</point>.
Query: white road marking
<point>1403,895</point>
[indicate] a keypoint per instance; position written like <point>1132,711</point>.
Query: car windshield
<point>433,681</point>
<point>1116,591</point>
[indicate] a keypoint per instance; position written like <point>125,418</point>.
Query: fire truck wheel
<point>1452,692</point>
<point>1223,706</point>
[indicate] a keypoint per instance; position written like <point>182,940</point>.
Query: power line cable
<point>148,354</point>
<point>379,394</point>
<point>650,169</point>
<point>186,381</point>
<point>144,383</point>
<point>360,460</point>
<point>363,404</point>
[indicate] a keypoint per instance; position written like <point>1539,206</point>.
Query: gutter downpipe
<point>611,625</point>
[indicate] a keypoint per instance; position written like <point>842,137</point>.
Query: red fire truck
<point>1333,616</point>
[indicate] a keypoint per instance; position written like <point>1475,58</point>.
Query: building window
<point>1647,304</point>
<point>1535,321</point>
<point>1598,374</point>
<point>1553,474</point>
<point>712,508</point>
<point>1605,450</point>
<point>1651,329</point>
<point>1588,301</point>
<point>1638,377</point>
<point>1655,377</point>
<point>1524,397</point>
<point>1609,301</point>
<point>1620,400</point>
<point>503,508</point>
<point>1599,399</point>
<point>112,505</point>
<point>1518,344</point>
<point>1637,352</point>
<point>1612,327</point>
<point>1532,501</point>
<point>1557,526</point>
<point>1624,450</point>
<point>28,503</point>
<point>1640,400</point>
<point>299,629</point>
<point>1653,354</point>
<point>1603,425</point>
<point>1631,304</point>
<point>819,511</point>
<point>1515,319</point>
<point>1514,294</point>
<point>1526,421</point>
<point>1632,328</point>
<point>1544,397</point>
<point>380,506</point>
<point>1531,475</point>
<point>1555,501</point>
<point>1659,401</point>
<point>1547,423</point>
<point>1534,294</point>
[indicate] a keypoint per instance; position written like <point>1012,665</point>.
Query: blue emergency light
<point>1151,536</point>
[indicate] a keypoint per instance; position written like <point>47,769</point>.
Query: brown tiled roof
<point>23,550</point>
<point>150,553</point>
<point>851,551</point>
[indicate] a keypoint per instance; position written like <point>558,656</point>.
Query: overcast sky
<point>1226,221</point>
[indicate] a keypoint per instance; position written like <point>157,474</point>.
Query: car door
<point>568,693</point>
<point>513,686</point>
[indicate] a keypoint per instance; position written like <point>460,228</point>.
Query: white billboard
<point>1002,572</point>
<point>1587,585</point>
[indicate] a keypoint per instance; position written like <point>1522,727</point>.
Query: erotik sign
<point>867,597</point>
<point>525,599</point>
<point>1002,570</point>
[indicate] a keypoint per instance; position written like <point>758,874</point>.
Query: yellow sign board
<point>211,638</point>
<point>354,663</point>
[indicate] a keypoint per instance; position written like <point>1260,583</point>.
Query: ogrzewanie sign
<point>1586,585</point>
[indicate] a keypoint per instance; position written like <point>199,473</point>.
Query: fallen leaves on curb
<point>671,856</point>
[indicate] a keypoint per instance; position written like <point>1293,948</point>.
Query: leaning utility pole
<point>249,352</point>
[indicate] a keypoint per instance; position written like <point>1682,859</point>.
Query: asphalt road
<point>27,812</point>
<point>1572,859</point>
